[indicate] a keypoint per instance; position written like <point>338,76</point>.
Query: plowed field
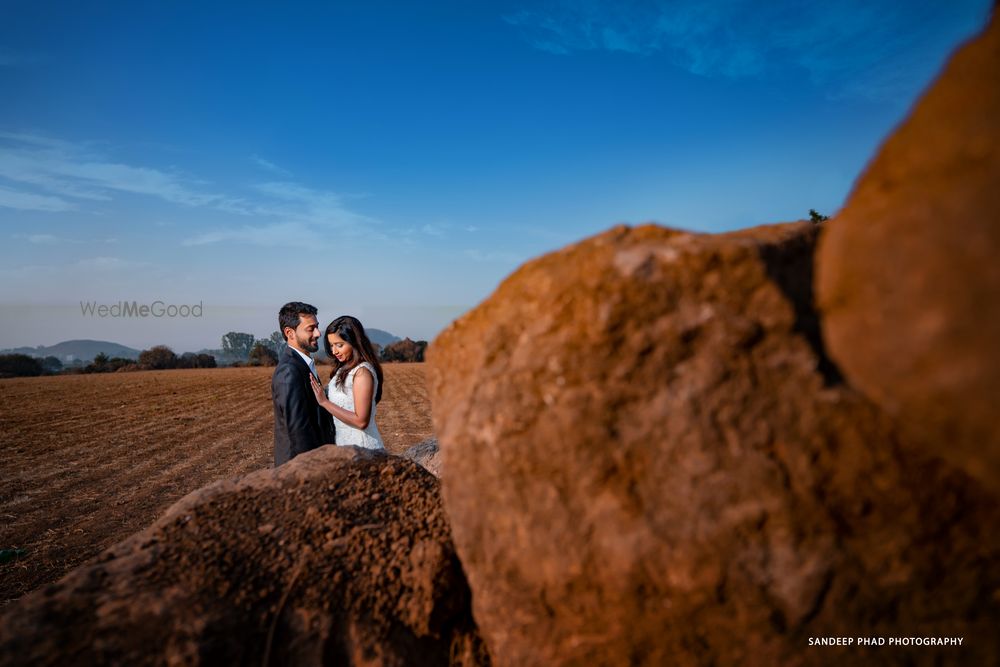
<point>86,460</point>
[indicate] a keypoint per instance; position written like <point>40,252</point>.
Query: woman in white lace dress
<point>355,385</point>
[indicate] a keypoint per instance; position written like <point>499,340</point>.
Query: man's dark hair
<point>291,313</point>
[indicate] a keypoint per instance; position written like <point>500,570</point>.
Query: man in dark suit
<point>300,424</point>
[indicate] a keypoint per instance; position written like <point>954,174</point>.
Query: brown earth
<point>343,556</point>
<point>87,460</point>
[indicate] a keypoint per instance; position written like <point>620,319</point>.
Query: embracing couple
<point>306,417</point>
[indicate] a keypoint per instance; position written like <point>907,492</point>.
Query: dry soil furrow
<point>136,435</point>
<point>89,459</point>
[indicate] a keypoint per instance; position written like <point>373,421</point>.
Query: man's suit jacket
<point>300,424</point>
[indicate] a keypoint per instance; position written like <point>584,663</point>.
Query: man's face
<point>305,336</point>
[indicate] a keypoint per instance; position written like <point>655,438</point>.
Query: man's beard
<point>307,346</point>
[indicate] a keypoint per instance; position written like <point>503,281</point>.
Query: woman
<point>355,384</point>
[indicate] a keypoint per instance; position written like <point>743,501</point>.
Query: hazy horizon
<point>194,334</point>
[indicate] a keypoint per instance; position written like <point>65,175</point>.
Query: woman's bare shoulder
<point>364,368</point>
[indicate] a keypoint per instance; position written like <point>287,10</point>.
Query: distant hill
<point>85,350</point>
<point>81,350</point>
<point>377,336</point>
<point>380,337</point>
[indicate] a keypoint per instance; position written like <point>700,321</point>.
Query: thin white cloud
<point>269,166</point>
<point>869,48</point>
<point>694,34</point>
<point>286,234</point>
<point>137,180</point>
<point>52,239</point>
<point>307,217</point>
<point>73,174</point>
<point>37,139</point>
<point>44,239</point>
<point>76,171</point>
<point>109,264</point>
<point>28,201</point>
<point>306,205</point>
<point>438,229</point>
<point>503,257</point>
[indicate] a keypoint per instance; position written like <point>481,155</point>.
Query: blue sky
<point>397,160</point>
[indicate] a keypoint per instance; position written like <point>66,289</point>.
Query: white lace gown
<point>368,438</point>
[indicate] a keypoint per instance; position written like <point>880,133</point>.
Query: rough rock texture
<point>426,453</point>
<point>650,461</point>
<point>909,271</point>
<point>342,556</point>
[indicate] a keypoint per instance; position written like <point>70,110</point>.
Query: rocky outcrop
<point>651,460</point>
<point>342,556</point>
<point>426,453</point>
<point>909,277</point>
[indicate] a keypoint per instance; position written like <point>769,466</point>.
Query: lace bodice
<point>368,438</point>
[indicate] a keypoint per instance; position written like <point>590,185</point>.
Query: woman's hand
<point>363,388</point>
<point>318,390</point>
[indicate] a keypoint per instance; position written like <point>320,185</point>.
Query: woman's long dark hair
<point>351,330</point>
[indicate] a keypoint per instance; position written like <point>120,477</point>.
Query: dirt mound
<point>652,461</point>
<point>342,556</point>
<point>909,276</point>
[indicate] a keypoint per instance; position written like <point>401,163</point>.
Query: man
<point>300,424</point>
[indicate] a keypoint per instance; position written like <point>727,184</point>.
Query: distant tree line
<point>253,351</point>
<point>403,351</point>
<point>238,349</point>
<point>158,357</point>
<point>21,365</point>
<point>244,348</point>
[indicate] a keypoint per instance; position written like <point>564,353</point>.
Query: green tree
<point>158,357</point>
<point>404,350</point>
<point>817,217</point>
<point>52,364</point>
<point>15,365</point>
<point>275,342</point>
<point>263,355</point>
<point>237,344</point>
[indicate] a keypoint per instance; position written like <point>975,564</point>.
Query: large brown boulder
<point>650,461</point>
<point>909,271</point>
<point>340,557</point>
